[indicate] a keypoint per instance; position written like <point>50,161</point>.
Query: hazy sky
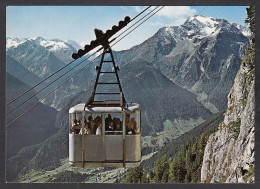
<point>78,22</point>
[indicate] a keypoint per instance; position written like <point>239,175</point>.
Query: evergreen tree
<point>158,170</point>
<point>165,176</point>
<point>144,178</point>
<point>181,165</point>
<point>173,171</point>
<point>134,176</point>
<point>151,176</point>
<point>188,160</point>
<point>137,175</point>
<point>251,18</point>
<point>165,169</point>
<point>129,177</point>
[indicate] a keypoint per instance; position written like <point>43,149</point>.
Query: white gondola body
<point>105,150</point>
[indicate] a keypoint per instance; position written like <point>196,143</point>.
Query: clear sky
<point>78,22</point>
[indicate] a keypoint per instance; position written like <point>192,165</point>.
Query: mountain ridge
<point>39,122</point>
<point>168,64</point>
<point>188,58</point>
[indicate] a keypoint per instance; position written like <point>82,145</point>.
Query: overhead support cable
<point>31,88</point>
<point>74,66</point>
<point>80,69</point>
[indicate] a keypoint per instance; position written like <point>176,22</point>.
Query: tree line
<point>184,168</point>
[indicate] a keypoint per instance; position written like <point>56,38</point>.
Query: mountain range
<point>202,55</point>
<point>180,76</point>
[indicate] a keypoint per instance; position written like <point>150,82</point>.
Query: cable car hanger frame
<point>103,40</point>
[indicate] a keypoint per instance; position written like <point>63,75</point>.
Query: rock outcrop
<point>229,153</point>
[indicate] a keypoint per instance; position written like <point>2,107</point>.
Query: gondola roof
<point>129,107</point>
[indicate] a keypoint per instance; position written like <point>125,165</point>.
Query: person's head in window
<point>128,124</point>
<point>97,119</point>
<point>99,129</point>
<point>92,123</point>
<point>111,125</point>
<point>87,129</point>
<point>133,120</point>
<point>129,129</point>
<point>90,118</point>
<point>133,123</point>
<point>118,126</point>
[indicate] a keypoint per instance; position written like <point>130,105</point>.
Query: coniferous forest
<point>184,168</point>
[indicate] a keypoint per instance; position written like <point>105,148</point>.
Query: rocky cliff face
<point>229,154</point>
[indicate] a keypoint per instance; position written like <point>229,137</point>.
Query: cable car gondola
<point>108,149</point>
<point>105,133</point>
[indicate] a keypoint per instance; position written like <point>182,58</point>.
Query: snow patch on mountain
<point>14,42</point>
<point>209,21</point>
<point>210,25</point>
<point>58,48</point>
<point>53,45</point>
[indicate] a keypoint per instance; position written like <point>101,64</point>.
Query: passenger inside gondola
<point>134,125</point>
<point>114,121</point>
<point>110,127</point>
<point>92,127</point>
<point>76,127</point>
<point>130,128</point>
<point>118,129</point>
<point>97,120</point>
<point>86,129</point>
<point>99,129</point>
<point>108,119</point>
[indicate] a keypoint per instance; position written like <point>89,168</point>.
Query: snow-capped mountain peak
<point>14,42</point>
<point>244,30</point>
<point>53,45</point>
<point>39,55</point>
<point>203,20</point>
<point>50,44</point>
<point>202,26</point>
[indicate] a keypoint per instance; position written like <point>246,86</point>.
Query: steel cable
<point>79,70</point>
<point>66,71</point>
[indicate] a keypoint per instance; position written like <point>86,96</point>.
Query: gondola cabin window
<point>133,123</point>
<point>75,123</point>
<point>114,124</point>
<point>93,124</point>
